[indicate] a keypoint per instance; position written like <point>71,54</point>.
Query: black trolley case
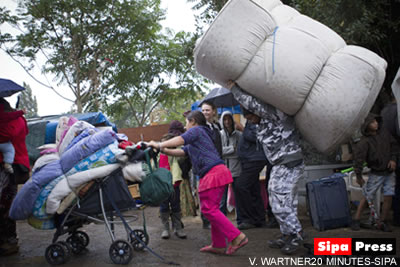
<point>328,203</point>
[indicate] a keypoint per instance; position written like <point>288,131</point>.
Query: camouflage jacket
<point>276,132</point>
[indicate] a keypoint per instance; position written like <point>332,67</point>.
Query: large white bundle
<point>226,51</point>
<point>396,93</point>
<point>277,72</point>
<point>294,63</point>
<point>341,97</point>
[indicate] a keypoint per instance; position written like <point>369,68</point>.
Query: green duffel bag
<point>157,186</point>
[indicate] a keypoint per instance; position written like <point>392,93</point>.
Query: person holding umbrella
<point>210,112</point>
<point>220,97</point>
<point>15,131</point>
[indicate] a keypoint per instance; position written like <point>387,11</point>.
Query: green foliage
<point>374,25</point>
<point>150,69</point>
<point>209,9</point>
<point>156,75</point>
<point>28,102</point>
<point>173,110</point>
<point>74,36</point>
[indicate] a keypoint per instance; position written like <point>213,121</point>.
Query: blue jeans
<point>8,152</point>
<point>396,198</point>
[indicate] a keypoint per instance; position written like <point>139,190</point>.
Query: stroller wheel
<point>76,243</point>
<point>56,254</point>
<point>83,236</point>
<point>121,252</point>
<point>139,234</point>
<point>67,247</point>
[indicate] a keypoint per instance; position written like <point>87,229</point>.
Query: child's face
<point>228,122</point>
<point>373,126</point>
<point>253,118</point>
<point>189,124</point>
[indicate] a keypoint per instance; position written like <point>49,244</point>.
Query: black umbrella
<point>8,88</point>
<point>220,97</point>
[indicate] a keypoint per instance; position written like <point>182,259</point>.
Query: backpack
<point>157,186</point>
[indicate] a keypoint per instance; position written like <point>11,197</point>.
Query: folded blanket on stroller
<point>39,207</point>
<point>44,160</point>
<point>41,224</point>
<point>86,147</point>
<point>23,203</point>
<point>102,157</point>
<point>85,133</point>
<point>69,183</point>
<point>49,223</point>
<point>67,201</point>
<point>71,133</point>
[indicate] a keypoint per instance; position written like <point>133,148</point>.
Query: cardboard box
<point>134,190</point>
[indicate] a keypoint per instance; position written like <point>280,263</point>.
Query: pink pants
<point>221,227</point>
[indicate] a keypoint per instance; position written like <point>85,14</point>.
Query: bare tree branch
<point>132,108</point>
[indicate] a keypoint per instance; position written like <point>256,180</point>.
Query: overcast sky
<point>179,17</point>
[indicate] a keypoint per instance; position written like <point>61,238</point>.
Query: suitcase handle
<point>331,182</point>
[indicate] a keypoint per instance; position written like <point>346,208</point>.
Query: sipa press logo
<point>355,246</point>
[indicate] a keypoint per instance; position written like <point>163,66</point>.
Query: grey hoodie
<point>229,146</point>
<point>377,150</point>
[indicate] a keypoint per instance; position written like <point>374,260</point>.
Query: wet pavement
<point>185,252</point>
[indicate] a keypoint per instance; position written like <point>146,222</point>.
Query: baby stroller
<point>105,201</point>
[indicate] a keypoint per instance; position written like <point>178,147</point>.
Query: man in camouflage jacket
<point>280,139</point>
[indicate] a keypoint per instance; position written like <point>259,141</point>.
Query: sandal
<point>233,249</point>
<point>211,249</point>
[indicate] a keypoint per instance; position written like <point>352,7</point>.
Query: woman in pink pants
<point>214,175</point>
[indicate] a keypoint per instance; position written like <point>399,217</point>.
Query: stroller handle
<point>151,154</point>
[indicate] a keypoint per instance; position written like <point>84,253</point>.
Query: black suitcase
<point>328,203</point>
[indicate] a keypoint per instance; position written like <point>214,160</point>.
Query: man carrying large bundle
<point>280,140</point>
<point>294,63</point>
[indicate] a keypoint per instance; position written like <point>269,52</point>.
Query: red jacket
<point>16,132</point>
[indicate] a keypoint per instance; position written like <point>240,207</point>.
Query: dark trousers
<point>396,199</point>
<point>173,203</point>
<point>224,200</point>
<point>249,203</point>
<point>8,227</point>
